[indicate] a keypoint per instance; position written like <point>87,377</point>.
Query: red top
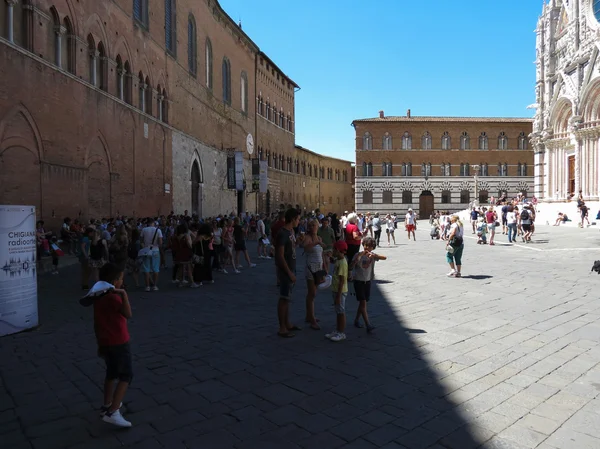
<point>490,217</point>
<point>351,229</point>
<point>110,325</point>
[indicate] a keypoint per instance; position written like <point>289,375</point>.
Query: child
<point>481,232</point>
<point>363,265</point>
<point>111,312</point>
<point>55,252</point>
<point>339,287</point>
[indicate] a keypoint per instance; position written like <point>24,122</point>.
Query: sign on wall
<point>264,180</point>
<point>18,276</point>
<point>231,172</point>
<point>239,171</point>
<point>255,174</point>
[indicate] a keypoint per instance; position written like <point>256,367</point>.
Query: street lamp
<point>476,199</point>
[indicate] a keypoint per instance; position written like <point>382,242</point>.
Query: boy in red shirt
<point>111,312</point>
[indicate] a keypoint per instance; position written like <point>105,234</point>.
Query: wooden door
<point>571,164</point>
<point>425,204</point>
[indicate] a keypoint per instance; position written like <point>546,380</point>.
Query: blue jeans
<point>512,232</point>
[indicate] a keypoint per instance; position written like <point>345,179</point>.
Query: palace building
<point>566,129</point>
<point>133,106</point>
<point>439,163</point>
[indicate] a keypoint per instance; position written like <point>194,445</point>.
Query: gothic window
<point>170,27</point>
<point>268,111</point>
<point>446,169</point>
<point>502,141</point>
<point>522,169</point>
<point>290,124</point>
<point>426,169</point>
<point>367,197</point>
<point>102,68</point>
<point>483,169</point>
<point>367,141</point>
<point>406,197</point>
<point>465,141</point>
<point>387,197</point>
<point>387,142</point>
<point>209,64</point>
<point>426,141</point>
<point>446,141</point>
<point>226,75</point>
<point>281,119</point>
<point>465,169</point>
<point>69,47</point>
<point>127,82</point>
<point>483,141</point>
<point>165,106</point>
<point>406,141</point>
<point>502,169</point>
<point>386,169</point>
<point>244,92</point>
<point>148,93</point>
<point>523,138</point>
<point>446,197</point>
<point>192,46</point>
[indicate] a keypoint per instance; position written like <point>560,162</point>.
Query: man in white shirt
<point>344,220</point>
<point>410,223</point>
<point>151,238</point>
<point>260,232</point>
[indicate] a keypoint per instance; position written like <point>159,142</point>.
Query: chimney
<point>381,114</point>
<point>408,113</point>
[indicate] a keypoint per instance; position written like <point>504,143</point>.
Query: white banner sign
<point>264,180</point>
<point>239,171</point>
<point>18,277</point>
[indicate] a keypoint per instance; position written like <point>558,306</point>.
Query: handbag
<point>497,224</point>
<point>197,259</point>
<point>147,250</point>
<point>449,249</point>
<point>318,276</point>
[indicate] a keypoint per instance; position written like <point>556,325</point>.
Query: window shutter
<point>168,25</point>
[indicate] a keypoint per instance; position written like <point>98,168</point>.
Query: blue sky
<point>353,58</point>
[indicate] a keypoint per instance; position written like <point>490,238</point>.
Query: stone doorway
<point>196,190</point>
<point>425,205</point>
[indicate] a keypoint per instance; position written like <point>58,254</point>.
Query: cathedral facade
<point>566,128</point>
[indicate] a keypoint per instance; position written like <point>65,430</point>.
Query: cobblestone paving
<point>506,357</point>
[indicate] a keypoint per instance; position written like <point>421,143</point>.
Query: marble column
<point>120,84</point>
<point>94,54</point>
<point>60,31</point>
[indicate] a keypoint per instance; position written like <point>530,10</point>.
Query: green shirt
<point>327,236</point>
<point>340,269</point>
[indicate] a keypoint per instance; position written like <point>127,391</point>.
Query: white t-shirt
<point>376,224</point>
<point>147,235</point>
<point>410,219</point>
<point>260,228</point>
<point>344,221</point>
<point>391,224</point>
<point>459,230</point>
<point>511,217</point>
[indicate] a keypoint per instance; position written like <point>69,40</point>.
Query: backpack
<point>525,215</point>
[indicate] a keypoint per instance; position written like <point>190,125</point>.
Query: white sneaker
<point>185,282</point>
<point>224,271</point>
<point>116,419</point>
<point>252,265</point>
<point>105,409</point>
<point>237,271</point>
<point>451,273</point>
<point>268,257</point>
<point>147,289</point>
<point>339,336</point>
<point>174,281</point>
<point>330,334</point>
<point>194,285</point>
<point>261,257</point>
<point>155,288</point>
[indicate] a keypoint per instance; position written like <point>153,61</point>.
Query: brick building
<point>431,163</point>
<point>121,106</point>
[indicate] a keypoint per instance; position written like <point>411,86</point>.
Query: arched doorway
<point>196,190</point>
<point>483,197</point>
<point>425,204</point>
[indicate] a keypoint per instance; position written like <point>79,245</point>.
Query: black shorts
<point>118,362</point>
<point>526,227</point>
<point>240,246</point>
<point>362,290</point>
<point>504,221</point>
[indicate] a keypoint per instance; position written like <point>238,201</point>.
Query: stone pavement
<point>506,357</point>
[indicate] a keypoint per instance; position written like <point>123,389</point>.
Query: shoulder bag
<point>146,251</point>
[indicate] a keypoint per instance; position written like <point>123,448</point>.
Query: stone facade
<point>566,129</point>
<point>439,163</point>
<point>127,98</point>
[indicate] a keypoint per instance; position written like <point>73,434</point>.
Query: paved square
<point>506,357</point>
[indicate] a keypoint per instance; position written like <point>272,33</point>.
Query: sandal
<point>295,328</point>
<point>285,334</point>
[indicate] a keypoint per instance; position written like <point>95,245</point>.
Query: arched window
<point>209,64</point>
<point>290,123</point>
<point>522,169</point>
<point>407,169</point>
<point>446,170</point>
<point>120,78</point>
<point>523,137</point>
<point>127,83</point>
<point>165,107</point>
<point>141,92</point>
<point>102,67</point>
<point>502,169</point>
<point>502,141</point>
<point>55,36</point>
<point>244,92</point>
<point>465,141</point>
<point>386,169</point>
<point>367,169</point>
<point>446,141</point>
<point>192,46</point>
<point>406,141</point>
<point>406,197</point>
<point>226,79</point>
<point>268,111</point>
<point>149,99</point>
<point>93,58</point>
<point>367,141</point>
<point>310,169</point>
<point>465,169</point>
<point>68,43</point>
<point>426,141</point>
<point>281,119</point>
<point>483,141</point>
<point>260,106</point>
<point>170,27</point>
<point>426,169</point>
<point>387,141</point>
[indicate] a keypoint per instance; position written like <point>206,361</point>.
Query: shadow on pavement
<point>477,277</point>
<point>210,372</point>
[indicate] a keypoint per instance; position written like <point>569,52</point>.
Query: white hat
<point>326,283</point>
<point>99,289</point>
<point>410,209</point>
